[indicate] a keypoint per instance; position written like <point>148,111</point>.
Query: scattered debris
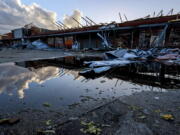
<point>124,57</point>
<point>38,44</point>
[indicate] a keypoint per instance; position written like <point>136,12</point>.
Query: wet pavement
<point>52,89</point>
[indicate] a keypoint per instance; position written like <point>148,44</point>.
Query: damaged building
<point>140,33</point>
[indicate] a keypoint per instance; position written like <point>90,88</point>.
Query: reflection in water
<point>46,81</point>
<point>16,78</point>
<point>150,74</point>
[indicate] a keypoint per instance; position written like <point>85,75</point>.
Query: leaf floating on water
<point>142,117</point>
<point>167,117</point>
<point>134,108</point>
<point>48,122</point>
<point>90,128</point>
<point>157,111</point>
<point>47,105</point>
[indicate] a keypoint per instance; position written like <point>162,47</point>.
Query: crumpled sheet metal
<point>112,63</point>
<point>123,57</point>
<point>156,53</point>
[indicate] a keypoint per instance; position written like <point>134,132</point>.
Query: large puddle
<point>31,84</point>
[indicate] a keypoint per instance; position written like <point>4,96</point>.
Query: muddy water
<point>23,85</point>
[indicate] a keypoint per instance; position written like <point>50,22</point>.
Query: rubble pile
<point>123,57</point>
<point>38,44</point>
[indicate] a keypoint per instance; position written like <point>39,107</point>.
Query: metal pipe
<point>56,25</point>
<point>87,22</point>
<point>63,24</point>
<point>91,20</point>
<point>120,17</point>
<point>125,17</point>
<point>77,22</point>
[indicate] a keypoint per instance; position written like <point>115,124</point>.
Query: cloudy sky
<point>15,13</point>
